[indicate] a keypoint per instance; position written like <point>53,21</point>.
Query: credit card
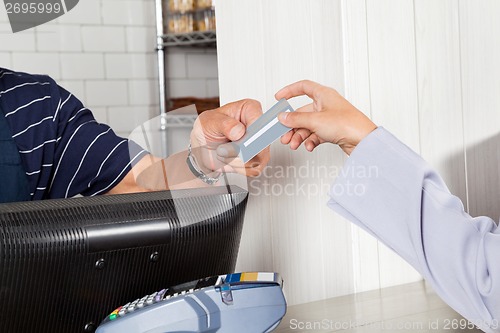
<point>264,131</point>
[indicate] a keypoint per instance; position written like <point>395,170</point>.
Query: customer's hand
<point>228,123</point>
<point>330,118</point>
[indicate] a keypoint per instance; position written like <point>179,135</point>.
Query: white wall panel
<point>306,42</point>
<point>263,46</point>
<point>357,91</point>
<point>240,50</point>
<point>440,91</point>
<point>242,75</point>
<point>394,103</point>
<point>480,52</point>
<point>426,70</point>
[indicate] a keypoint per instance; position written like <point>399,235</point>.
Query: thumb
<point>298,120</point>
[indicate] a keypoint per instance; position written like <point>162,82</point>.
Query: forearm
<point>155,174</point>
<point>405,204</point>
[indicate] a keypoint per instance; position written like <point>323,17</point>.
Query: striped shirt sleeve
<point>65,151</point>
<point>91,158</point>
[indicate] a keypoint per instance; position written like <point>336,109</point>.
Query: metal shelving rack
<point>197,38</point>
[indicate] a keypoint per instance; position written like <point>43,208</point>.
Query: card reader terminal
<point>241,302</point>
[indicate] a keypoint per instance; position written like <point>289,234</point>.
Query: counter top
<point>409,308</point>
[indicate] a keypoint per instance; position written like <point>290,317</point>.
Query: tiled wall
<point>192,72</point>
<point>103,51</point>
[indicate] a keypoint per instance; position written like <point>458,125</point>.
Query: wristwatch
<point>195,169</point>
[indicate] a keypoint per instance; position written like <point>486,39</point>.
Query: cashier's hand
<point>330,118</point>
<point>212,129</point>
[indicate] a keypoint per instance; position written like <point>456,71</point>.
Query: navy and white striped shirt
<point>64,150</point>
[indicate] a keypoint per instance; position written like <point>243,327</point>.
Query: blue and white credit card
<point>264,131</point>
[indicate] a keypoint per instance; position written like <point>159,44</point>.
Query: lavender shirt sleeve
<point>396,196</point>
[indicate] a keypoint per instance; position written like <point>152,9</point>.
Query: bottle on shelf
<point>204,4</point>
<point>180,23</point>
<point>180,5</point>
<point>186,16</point>
<point>205,20</point>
